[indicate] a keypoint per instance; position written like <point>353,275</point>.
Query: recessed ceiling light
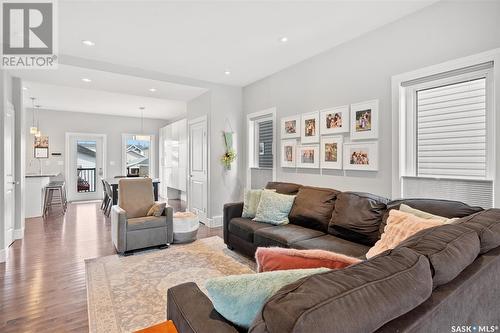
<point>86,80</point>
<point>284,39</point>
<point>227,72</point>
<point>152,89</point>
<point>88,42</point>
<point>25,88</point>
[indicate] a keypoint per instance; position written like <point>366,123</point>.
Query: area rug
<point>125,294</point>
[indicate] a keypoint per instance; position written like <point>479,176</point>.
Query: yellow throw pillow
<point>157,209</point>
<point>400,226</point>
<point>425,215</point>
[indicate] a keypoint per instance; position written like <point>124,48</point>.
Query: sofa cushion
<point>487,226</point>
<point>359,298</point>
<point>313,207</point>
<point>279,258</point>
<point>357,217</point>
<point>445,208</point>
<point>146,222</point>
<point>449,248</point>
<point>284,188</point>
<point>283,235</point>
<point>245,228</point>
<point>136,196</point>
<point>333,244</point>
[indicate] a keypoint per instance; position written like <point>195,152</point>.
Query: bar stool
<point>59,188</point>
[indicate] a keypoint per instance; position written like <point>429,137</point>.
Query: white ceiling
<point>64,98</point>
<point>203,39</point>
<point>108,93</point>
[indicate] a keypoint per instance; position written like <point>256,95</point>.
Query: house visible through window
<point>138,154</point>
<point>265,135</point>
<point>449,136</point>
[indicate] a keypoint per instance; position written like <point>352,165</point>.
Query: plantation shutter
<point>451,130</point>
<point>265,142</point>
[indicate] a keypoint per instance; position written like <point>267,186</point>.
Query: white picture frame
<point>309,161</point>
<point>288,153</point>
<point>334,120</point>
<point>310,127</point>
<point>364,120</point>
<point>331,152</point>
<point>366,159</point>
<point>287,124</point>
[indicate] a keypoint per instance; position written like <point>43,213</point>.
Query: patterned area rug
<point>125,294</point>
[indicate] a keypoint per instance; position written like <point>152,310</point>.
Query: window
<point>448,136</point>
<point>261,126</point>
<point>138,155</point>
<point>261,152</point>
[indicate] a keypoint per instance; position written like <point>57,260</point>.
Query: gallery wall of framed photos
<point>343,137</point>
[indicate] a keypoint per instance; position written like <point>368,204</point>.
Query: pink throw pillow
<point>278,258</point>
<point>400,226</point>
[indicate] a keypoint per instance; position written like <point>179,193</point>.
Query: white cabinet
<point>173,157</point>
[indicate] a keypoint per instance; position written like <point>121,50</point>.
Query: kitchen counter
<point>35,184</point>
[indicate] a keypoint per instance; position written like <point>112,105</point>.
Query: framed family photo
<point>334,120</point>
<point>290,127</point>
<point>308,156</point>
<point>364,120</point>
<point>288,151</point>
<point>361,156</point>
<point>331,152</point>
<point>310,127</point>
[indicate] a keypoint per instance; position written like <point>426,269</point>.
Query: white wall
<point>223,107</point>
<point>361,70</point>
<point>55,124</point>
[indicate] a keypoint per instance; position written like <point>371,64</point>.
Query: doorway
<point>85,165</point>
<point>9,174</point>
<point>197,194</point>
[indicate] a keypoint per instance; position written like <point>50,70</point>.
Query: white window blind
<point>451,130</point>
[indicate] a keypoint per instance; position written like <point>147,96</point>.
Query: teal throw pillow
<point>274,208</point>
<point>239,298</point>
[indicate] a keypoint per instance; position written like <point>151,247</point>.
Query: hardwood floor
<point>42,284</point>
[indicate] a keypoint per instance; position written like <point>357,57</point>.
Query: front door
<point>9,176</point>
<point>197,188</point>
<point>85,167</point>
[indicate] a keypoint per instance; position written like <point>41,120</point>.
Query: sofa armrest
<point>192,311</point>
<point>231,210</point>
<point>169,213</point>
<point>119,228</point>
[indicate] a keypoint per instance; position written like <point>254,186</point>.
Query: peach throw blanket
<point>400,226</point>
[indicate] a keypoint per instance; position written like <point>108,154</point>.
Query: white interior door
<point>9,176</point>
<point>85,167</point>
<point>198,161</point>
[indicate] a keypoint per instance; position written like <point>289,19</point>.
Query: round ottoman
<point>185,227</point>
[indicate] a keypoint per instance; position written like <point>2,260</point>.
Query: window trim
<point>399,107</point>
<point>252,137</point>
<point>152,157</point>
<point>409,168</point>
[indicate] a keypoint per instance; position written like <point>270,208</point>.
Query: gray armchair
<point>131,228</point>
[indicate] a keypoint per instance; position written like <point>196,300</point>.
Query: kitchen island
<point>35,184</point>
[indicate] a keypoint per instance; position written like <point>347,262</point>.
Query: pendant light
<point>33,128</point>
<point>142,137</point>
<point>38,132</point>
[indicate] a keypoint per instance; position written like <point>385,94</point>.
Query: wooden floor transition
<point>42,284</point>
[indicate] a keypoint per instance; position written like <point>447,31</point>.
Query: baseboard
<point>3,255</point>
<point>18,233</point>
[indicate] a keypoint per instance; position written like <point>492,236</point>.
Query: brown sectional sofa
<point>438,278</point>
